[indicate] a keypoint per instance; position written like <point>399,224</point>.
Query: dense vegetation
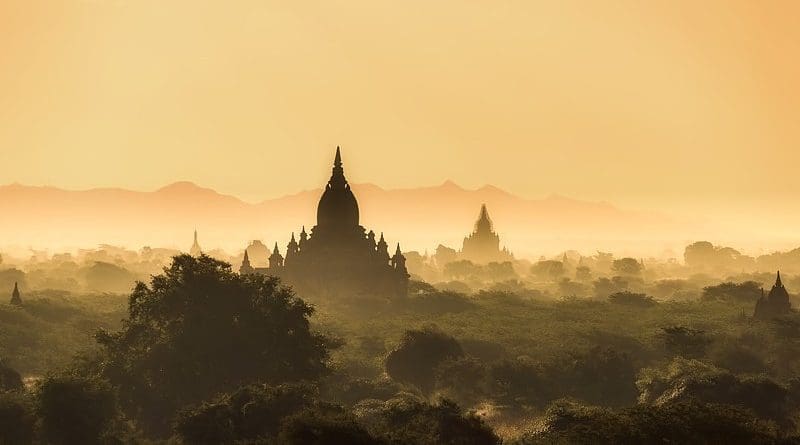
<point>203,355</point>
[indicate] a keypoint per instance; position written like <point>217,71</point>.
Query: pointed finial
<point>382,237</point>
<point>303,231</point>
<point>337,162</point>
<point>397,252</point>
<point>275,250</point>
<point>778,280</point>
<point>246,256</point>
<point>292,237</point>
<point>195,235</point>
<point>16,288</point>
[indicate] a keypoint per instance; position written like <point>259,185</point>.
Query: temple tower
<point>195,251</point>
<point>246,267</point>
<point>16,299</point>
<point>774,304</point>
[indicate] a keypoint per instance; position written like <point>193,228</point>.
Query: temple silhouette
<point>338,257</point>
<point>483,244</point>
<point>16,299</point>
<point>774,304</point>
<point>195,250</point>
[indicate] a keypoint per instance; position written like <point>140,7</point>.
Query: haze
<point>674,106</point>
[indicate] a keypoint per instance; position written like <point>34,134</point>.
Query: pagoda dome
<point>337,206</point>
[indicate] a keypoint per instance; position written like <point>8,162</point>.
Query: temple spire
<point>15,297</point>
<point>484,223</point>
<point>338,180</point>
<point>195,250</point>
<point>778,280</point>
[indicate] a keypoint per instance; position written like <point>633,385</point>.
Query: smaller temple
<point>195,251</point>
<point>246,267</point>
<point>774,304</point>
<point>483,244</point>
<point>16,299</point>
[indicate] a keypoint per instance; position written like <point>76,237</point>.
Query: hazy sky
<point>655,103</point>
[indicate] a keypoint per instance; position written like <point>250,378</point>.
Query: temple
<point>774,304</point>
<point>483,244</point>
<point>338,257</point>
<point>16,299</point>
<point>195,250</point>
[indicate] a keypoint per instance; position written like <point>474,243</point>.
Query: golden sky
<point>655,104</point>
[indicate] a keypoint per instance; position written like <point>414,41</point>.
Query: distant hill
<point>419,218</point>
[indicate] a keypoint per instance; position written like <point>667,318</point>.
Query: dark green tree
<point>75,410</point>
<point>414,422</point>
<point>323,427</point>
<point>419,353</point>
<point>627,267</point>
<point>746,292</point>
<point>10,380</point>
<point>17,418</point>
<point>200,329</point>
<point>249,413</point>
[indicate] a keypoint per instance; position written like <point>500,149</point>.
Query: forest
<point>593,349</point>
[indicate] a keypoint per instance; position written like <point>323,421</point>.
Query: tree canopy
<point>199,329</point>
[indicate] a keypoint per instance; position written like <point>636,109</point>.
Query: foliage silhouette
<point>419,353</point>
<point>199,329</point>
<point>17,418</point>
<point>75,410</point>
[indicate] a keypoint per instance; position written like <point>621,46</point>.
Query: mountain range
<point>418,218</point>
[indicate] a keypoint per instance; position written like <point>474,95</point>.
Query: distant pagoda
<point>483,244</point>
<point>195,250</point>
<point>338,258</point>
<point>16,299</point>
<point>774,304</point>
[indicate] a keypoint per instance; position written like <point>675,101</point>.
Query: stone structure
<point>483,244</point>
<point>16,299</point>
<point>195,251</point>
<point>774,304</point>
<point>338,257</point>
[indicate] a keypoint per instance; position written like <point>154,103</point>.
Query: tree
<point>627,267</point>
<point>10,380</point>
<point>583,273</point>
<point>200,329</point>
<point>75,410</point>
<point>416,422</point>
<point>444,255</point>
<point>548,270</point>
<point>17,418</point>
<point>632,299</point>
<point>464,379</point>
<point>500,271</point>
<point>703,254</point>
<point>419,353</point>
<point>567,287</point>
<point>684,341</point>
<point>746,292</point>
<point>461,269</point>
<point>685,380</point>
<point>322,427</point>
<point>683,422</point>
<point>603,287</point>
<point>249,413</point>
